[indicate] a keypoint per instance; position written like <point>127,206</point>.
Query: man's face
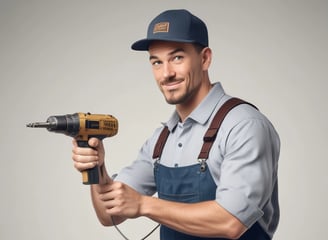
<point>178,69</point>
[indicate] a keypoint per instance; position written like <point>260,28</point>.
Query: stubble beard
<point>176,97</point>
<point>174,100</point>
<point>179,96</point>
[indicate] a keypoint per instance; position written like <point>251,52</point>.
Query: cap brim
<point>143,44</point>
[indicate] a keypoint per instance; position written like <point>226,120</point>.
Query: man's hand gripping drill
<point>87,130</point>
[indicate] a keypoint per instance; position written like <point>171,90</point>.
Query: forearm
<point>206,219</point>
<point>100,206</point>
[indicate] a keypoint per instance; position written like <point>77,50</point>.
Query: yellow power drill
<point>82,126</point>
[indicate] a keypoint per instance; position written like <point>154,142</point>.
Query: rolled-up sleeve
<point>140,174</point>
<point>248,169</point>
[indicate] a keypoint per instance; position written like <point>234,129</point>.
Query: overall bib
<point>191,184</point>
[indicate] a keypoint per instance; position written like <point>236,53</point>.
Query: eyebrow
<point>171,53</point>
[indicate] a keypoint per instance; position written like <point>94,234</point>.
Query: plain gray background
<point>60,57</point>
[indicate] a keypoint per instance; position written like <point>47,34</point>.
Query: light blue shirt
<point>243,160</point>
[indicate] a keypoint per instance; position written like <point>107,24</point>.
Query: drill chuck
<point>68,124</point>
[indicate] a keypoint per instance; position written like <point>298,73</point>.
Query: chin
<point>174,101</point>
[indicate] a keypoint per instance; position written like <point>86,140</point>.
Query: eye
<point>177,59</point>
<point>156,63</point>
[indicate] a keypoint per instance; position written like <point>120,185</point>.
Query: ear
<point>206,58</point>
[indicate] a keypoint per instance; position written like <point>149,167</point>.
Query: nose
<point>168,71</point>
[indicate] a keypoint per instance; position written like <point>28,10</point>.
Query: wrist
<point>146,204</point>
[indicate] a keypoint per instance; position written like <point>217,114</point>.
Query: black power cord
<point>120,232</point>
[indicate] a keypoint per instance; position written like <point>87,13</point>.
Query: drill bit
<point>39,125</point>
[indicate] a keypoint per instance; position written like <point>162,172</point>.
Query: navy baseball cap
<point>175,26</point>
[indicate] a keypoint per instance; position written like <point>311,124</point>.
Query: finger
<point>82,162</point>
<point>94,142</point>
<point>107,196</point>
<point>113,191</point>
<point>85,158</point>
<point>84,151</point>
<point>74,142</point>
<point>84,166</point>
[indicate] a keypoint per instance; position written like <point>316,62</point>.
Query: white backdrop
<point>59,57</point>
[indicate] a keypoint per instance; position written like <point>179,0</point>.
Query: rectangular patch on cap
<point>161,27</point>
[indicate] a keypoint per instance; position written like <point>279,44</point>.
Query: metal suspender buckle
<point>202,162</point>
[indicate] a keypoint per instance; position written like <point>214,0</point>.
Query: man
<point>229,194</point>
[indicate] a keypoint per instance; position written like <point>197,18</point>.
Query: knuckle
<point>119,185</point>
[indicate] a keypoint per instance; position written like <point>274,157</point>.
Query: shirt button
<point>180,144</point>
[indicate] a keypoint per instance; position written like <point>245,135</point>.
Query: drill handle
<point>89,176</point>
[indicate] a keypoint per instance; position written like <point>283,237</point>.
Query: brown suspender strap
<point>209,136</point>
<point>212,131</point>
<point>161,142</point>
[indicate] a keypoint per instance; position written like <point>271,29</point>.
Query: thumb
<point>94,142</point>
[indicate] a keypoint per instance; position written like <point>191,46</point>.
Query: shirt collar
<point>203,111</point>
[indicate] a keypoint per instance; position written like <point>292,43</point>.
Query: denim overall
<point>191,184</point>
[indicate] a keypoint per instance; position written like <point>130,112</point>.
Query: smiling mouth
<point>171,83</point>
